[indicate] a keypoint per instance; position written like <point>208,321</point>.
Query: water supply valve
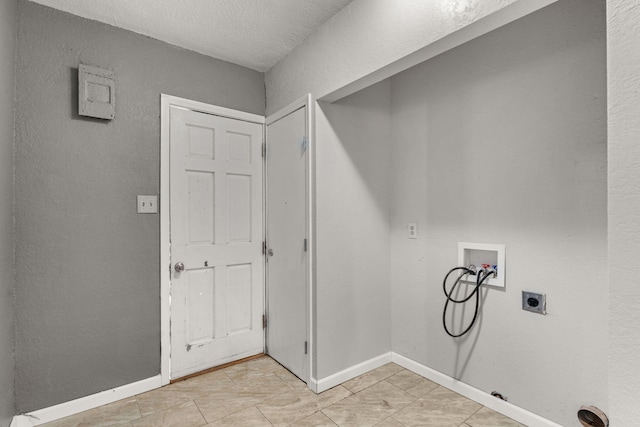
<point>482,258</point>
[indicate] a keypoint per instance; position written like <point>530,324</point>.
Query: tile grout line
<point>201,414</point>
<point>390,417</point>
<point>410,403</point>
<point>265,417</point>
<point>139,410</point>
<point>327,415</point>
<point>415,399</point>
<point>470,416</point>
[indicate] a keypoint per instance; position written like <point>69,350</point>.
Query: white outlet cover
<point>412,230</point>
<point>148,204</point>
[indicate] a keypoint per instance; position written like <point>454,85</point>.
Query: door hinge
<point>305,347</point>
<point>304,143</point>
<point>305,245</point>
<point>264,321</point>
<point>264,247</point>
<point>264,149</point>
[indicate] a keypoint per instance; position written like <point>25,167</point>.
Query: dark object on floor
<point>498,395</point>
<point>591,416</point>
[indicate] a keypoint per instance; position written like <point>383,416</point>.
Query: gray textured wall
<point>87,265</point>
<point>7,50</point>
<point>504,140</point>
<point>353,171</point>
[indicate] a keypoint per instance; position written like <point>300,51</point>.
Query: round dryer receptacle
<point>590,416</point>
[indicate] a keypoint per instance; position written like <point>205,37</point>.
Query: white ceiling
<point>253,33</point>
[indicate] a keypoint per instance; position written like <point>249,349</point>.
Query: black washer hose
<point>480,279</point>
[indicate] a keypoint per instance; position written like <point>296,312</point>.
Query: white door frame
<point>166,102</point>
<point>309,103</point>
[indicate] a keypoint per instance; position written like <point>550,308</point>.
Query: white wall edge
<point>505,408</point>
<point>21,421</point>
<point>82,404</point>
<point>302,102</point>
<point>313,385</point>
<point>474,30</point>
<point>352,372</point>
<point>165,240</point>
<point>311,236</point>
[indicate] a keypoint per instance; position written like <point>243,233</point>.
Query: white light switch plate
<point>148,204</point>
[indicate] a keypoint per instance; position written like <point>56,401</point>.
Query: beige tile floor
<point>260,392</point>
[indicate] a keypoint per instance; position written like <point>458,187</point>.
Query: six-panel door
<point>216,232</point>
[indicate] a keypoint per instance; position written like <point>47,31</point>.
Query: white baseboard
<point>21,421</point>
<point>313,385</point>
<point>505,408</point>
<point>95,400</point>
<point>82,404</point>
<point>352,372</point>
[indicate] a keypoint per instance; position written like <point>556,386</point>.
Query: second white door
<point>287,262</point>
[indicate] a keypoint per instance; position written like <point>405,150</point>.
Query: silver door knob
<point>270,252</point>
<point>179,267</point>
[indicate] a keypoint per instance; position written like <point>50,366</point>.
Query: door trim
<point>166,102</point>
<point>308,102</point>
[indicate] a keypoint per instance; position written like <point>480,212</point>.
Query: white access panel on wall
<point>478,254</point>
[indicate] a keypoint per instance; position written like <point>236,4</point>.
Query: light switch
<point>148,204</point>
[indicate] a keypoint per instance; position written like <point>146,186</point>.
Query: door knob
<point>270,252</point>
<point>179,267</point>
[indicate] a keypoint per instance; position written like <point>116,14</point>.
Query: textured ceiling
<point>253,33</point>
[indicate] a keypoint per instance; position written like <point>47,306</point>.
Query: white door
<point>287,241</point>
<point>216,234</point>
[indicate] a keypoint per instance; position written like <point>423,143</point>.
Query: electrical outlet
<point>148,204</point>
<point>534,302</point>
<point>412,230</point>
